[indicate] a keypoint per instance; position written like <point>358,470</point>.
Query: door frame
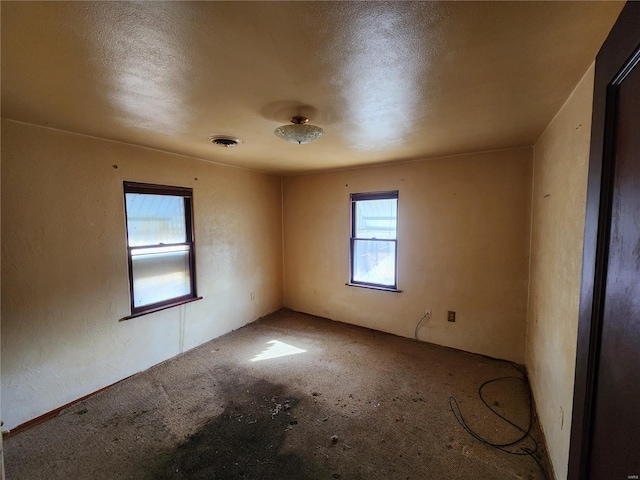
<point>617,57</point>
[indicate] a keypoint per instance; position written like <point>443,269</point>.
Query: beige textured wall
<point>561,158</point>
<point>463,245</point>
<point>64,263</point>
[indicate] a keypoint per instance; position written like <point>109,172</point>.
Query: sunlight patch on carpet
<point>277,349</point>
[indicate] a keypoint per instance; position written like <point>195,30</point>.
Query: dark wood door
<point>616,422</point>
<point>605,429</point>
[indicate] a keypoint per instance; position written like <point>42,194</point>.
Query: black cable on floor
<point>526,433</point>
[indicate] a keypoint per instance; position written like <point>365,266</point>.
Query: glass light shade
<point>299,133</point>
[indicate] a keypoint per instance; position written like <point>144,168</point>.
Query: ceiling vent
<point>224,141</point>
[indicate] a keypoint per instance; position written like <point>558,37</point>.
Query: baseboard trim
<point>53,413</point>
<point>550,470</point>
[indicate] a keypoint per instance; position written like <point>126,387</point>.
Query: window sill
<point>159,309</point>
<point>373,287</point>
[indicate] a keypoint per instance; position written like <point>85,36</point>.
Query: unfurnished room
<point>320,240</point>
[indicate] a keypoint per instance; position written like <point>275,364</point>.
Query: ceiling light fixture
<point>299,131</point>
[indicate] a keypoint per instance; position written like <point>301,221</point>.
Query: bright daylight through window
<point>374,225</point>
<point>160,245</point>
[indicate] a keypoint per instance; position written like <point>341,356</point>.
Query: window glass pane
<point>376,218</point>
<point>155,219</point>
<point>160,273</point>
<point>374,262</point>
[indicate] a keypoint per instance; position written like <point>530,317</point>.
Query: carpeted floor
<point>292,396</point>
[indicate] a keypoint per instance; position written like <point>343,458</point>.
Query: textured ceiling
<point>387,81</point>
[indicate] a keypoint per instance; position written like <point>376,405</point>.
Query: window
<point>160,245</point>
<point>374,225</point>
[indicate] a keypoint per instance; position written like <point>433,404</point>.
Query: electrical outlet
<point>253,296</point>
<point>451,316</point>
<point>427,312</point>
